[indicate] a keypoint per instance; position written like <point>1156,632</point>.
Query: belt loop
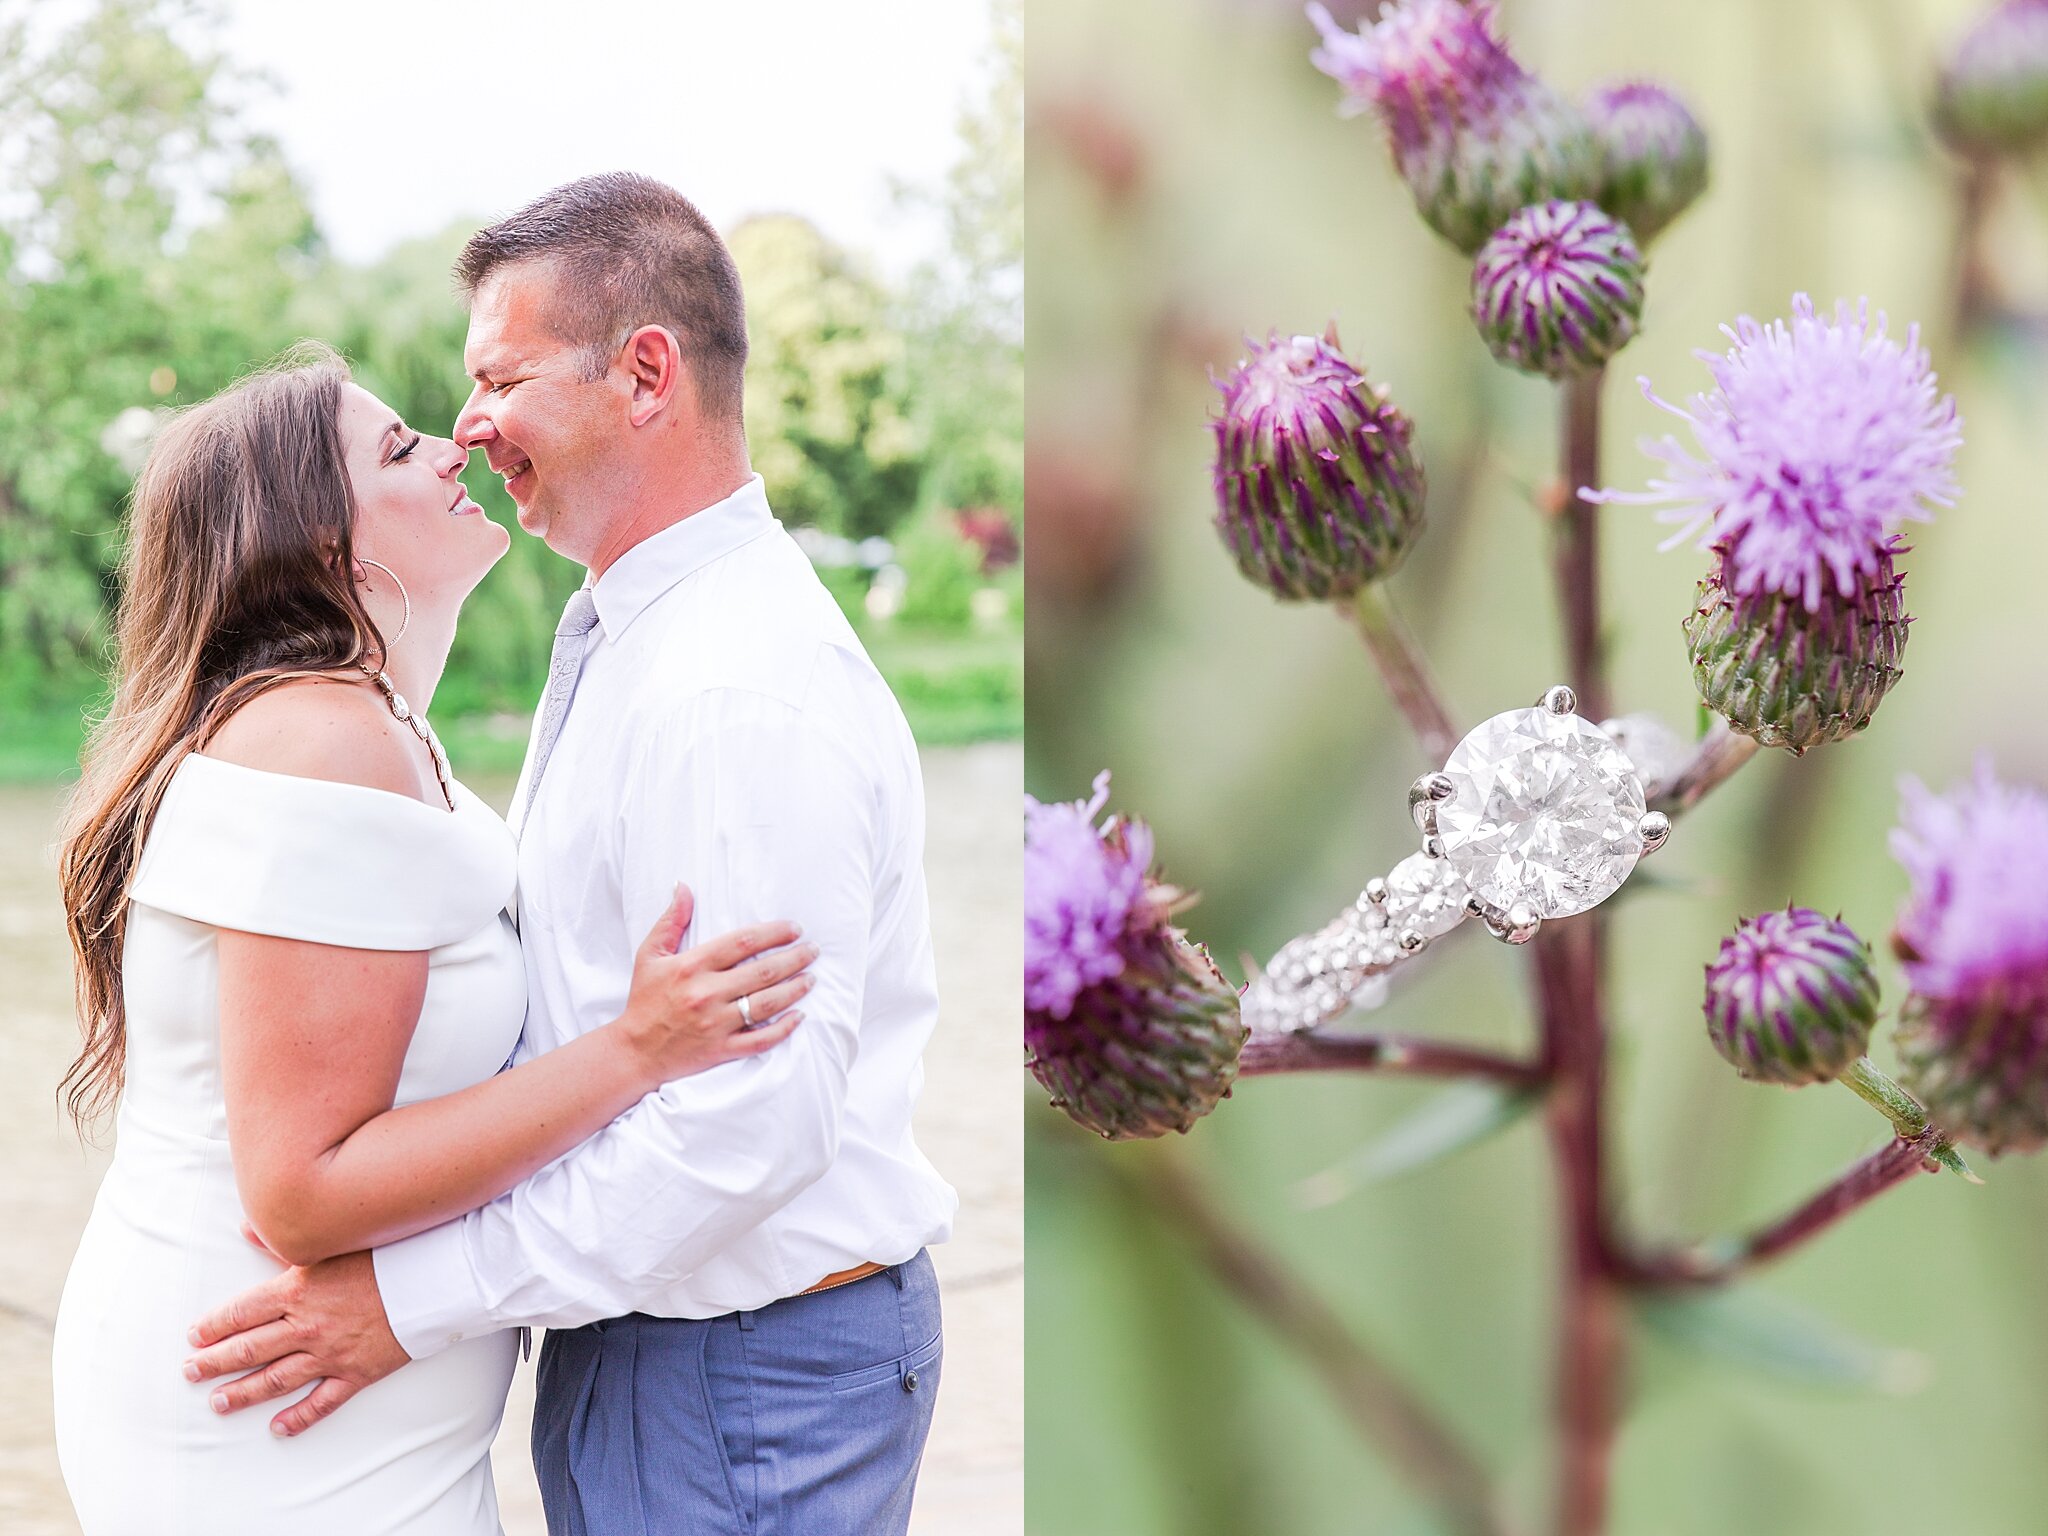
<point>895,1273</point>
<point>746,1320</point>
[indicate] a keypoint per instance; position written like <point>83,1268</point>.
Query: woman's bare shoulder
<point>334,728</point>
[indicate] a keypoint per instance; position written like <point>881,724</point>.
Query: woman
<point>296,968</point>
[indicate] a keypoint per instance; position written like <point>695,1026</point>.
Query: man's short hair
<point>627,251</point>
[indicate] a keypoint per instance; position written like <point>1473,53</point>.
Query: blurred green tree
<point>965,312</point>
<point>153,249</point>
<point>828,416</point>
<point>147,244</point>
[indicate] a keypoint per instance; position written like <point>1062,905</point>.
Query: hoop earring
<point>403,596</point>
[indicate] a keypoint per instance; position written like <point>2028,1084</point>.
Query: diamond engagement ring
<point>746,1011</point>
<point>1537,814</point>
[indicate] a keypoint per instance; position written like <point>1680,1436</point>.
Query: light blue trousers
<point>806,1418</point>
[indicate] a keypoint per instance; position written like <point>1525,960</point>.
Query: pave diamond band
<point>1537,814</point>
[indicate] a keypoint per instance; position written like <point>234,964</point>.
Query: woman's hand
<point>683,1015</point>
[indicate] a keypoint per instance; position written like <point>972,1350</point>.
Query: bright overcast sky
<point>402,115</point>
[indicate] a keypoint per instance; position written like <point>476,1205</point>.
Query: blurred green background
<point>153,248</point>
<point>1189,182</point>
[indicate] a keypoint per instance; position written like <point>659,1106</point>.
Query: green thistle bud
<point>1792,676</point>
<point>1318,490</point>
<point>1992,96</point>
<point>1979,1067</point>
<point>1558,290</point>
<point>1151,1052</point>
<point>1972,938</point>
<point>1653,155</point>
<point>1473,133</point>
<point>1791,998</point>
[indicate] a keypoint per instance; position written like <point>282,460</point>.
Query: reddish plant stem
<point>1406,675</point>
<point>1570,971</point>
<point>1399,1055</point>
<point>1382,1407</point>
<point>1590,1339</point>
<point>1887,1168</point>
<point>1713,762</point>
<point>1976,290</point>
<point>1577,557</point>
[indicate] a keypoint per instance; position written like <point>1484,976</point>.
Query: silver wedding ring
<point>746,1012</point>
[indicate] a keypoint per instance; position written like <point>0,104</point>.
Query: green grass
<point>40,747</point>
<point>954,688</point>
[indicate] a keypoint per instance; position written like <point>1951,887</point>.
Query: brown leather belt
<point>844,1277</point>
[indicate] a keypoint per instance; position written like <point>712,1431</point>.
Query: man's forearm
<point>626,1216</point>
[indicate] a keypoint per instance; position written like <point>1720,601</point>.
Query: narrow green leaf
<point>1453,1119</point>
<point>1758,1331</point>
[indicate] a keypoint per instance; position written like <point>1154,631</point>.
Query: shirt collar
<point>687,545</point>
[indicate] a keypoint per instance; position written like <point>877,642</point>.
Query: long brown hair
<point>235,577</point>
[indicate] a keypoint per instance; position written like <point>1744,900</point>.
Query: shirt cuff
<point>431,1298</point>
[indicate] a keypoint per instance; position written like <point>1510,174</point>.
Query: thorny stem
<point>1407,677</point>
<point>1891,1165</point>
<point>1713,762</point>
<point>1404,1055</point>
<point>1570,966</point>
<point>1381,1406</point>
<point>1906,1113</point>
<point>1885,1096</point>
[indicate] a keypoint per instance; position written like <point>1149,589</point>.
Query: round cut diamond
<point>1425,896</point>
<point>1545,811</point>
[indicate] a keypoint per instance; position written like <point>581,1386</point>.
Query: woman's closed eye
<point>406,450</point>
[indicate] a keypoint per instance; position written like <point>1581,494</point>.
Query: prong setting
<point>1655,828</point>
<point>1559,700</point>
<point>1423,797</point>
<point>1518,925</point>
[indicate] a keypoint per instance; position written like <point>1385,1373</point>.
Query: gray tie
<point>563,664</point>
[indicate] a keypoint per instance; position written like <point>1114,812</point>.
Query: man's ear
<point>653,360</point>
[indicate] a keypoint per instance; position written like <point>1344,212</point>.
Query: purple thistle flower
<point>1992,94</point>
<point>1977,919</point>
<point>1473,134</point>
<point>1081,893</point>
<point>1791,997</point>
<point>1558,289</point>
<point>1973,938</point>
<point>1821,439</point>
<point>1128,1025</point>
<point>1318,490</point>
<point>1653,154</point>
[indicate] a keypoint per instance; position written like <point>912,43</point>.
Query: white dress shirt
<point>728,732</point>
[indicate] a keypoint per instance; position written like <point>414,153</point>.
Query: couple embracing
<point>398,1079</point>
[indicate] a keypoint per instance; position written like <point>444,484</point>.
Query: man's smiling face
<point>550,429</point>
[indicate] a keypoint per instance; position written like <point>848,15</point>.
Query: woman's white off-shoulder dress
<point>142,1453</point>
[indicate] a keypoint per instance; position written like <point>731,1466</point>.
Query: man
<point>746,1324</point>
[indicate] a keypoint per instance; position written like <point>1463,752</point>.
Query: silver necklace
<point>403,712</point>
